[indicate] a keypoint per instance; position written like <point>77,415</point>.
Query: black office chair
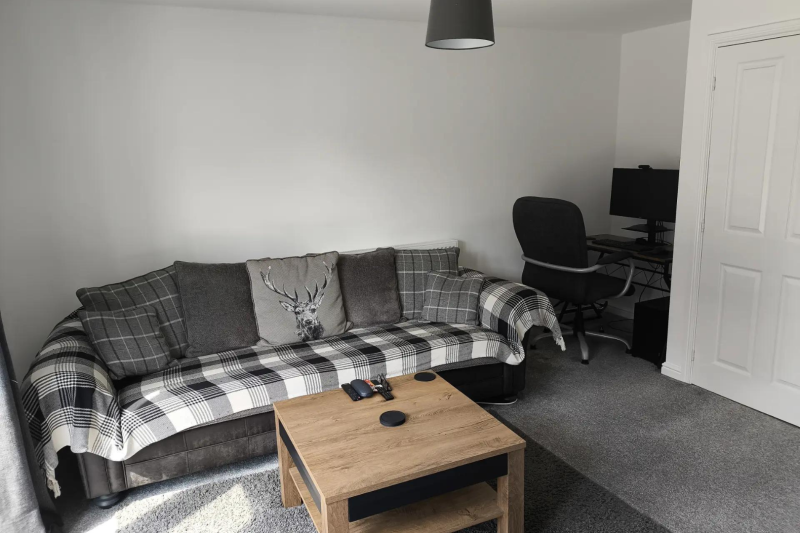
<point>553,240</point>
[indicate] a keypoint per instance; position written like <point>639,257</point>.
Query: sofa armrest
<point>512,309</point>
<point>69,398</point>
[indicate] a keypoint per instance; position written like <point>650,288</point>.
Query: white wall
<point>708,16</point>
<point>132,136</point>
<point>649,115</point>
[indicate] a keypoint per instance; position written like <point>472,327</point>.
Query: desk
<point>659,268</point>
<point>657,275</point>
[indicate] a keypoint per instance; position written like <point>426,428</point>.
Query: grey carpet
<point>246,498</point>
<point>689,459</point>
<point>559,499</point>
<point>692,460</point>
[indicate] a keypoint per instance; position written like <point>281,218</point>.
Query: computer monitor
<point>646,193</point>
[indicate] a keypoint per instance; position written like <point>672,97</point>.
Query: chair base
<point>500,400</point>
<point>581,335</point>
<point>585,347</point>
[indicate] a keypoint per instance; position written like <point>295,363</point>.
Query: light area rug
<point>245,498</point>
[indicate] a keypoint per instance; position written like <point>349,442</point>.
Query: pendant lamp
<point>460,24</point>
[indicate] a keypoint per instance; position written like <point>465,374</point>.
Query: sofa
<point>233,438</point>
<point>214,409</point>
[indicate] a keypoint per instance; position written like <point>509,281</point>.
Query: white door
<point>748,325</point>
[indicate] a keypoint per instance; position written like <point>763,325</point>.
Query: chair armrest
<point>616,257</point>
<point>512,309</point>
<point>562,268</point>
<point>68,398</point>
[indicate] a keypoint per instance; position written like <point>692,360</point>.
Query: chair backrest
<point>551,231</point>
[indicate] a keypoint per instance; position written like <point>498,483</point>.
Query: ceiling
<point>606,16</point>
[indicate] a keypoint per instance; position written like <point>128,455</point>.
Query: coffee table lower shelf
<point>443,514</point>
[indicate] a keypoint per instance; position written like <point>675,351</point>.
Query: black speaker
<point>650,323</point>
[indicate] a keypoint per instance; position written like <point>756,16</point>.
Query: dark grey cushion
<point>130,342</point>
<point>451,299</point>
<point>413,267</point>
<point>369,288</point>
<point>158,289</point>
<point>218,307</point>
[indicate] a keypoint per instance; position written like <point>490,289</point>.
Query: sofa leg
<point>109,500</point>
<point>500,400</point>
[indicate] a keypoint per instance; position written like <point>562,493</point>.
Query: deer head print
<point>305,312</point>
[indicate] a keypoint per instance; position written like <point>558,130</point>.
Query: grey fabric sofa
<point>213,410</point>
<point>237,437</point>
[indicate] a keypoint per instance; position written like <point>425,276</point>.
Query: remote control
<point>386,394</point>
<point>384,382</point>
<point>350,392</point>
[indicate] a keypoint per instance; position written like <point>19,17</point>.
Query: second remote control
<point>350,392</point>
<point>386,394</point>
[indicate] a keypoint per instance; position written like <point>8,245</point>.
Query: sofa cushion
<point>297,298</point>
<point>217,306</point>
<point>129,342</point>
<point>451,299</point>
<point>412,268</point>
<point>158,289</point>
<point>369,288</point>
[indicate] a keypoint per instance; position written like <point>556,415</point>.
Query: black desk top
<point>662,255</point>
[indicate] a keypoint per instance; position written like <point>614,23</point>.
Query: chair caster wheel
<point>584,362</point>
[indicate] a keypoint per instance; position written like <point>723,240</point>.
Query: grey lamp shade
<point>460,24</point>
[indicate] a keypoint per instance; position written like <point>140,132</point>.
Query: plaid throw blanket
<point>511,309</point>
<point>70,400</point>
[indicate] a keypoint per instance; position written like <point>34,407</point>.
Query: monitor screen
<point>648,194</point>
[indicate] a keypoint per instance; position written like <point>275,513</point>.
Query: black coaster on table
<point>425,376</point>
<point>392,419</point>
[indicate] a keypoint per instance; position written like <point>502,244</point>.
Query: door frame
<point>716,41</point>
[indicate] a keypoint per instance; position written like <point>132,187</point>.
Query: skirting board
<point>673,372</point>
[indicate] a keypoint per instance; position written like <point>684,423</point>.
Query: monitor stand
<point>652,228</point>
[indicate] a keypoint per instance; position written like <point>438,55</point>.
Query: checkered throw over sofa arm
<point>68,386</point>
<point>512,309</point>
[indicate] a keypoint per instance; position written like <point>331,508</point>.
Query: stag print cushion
<point>218,307</point>
<point>413,267</point>
<point>297,299</point>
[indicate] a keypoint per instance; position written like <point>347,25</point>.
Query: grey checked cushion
<point>158,289</point>
<point>451,299</point>
<point>129,342</point>
<point>413,267</point>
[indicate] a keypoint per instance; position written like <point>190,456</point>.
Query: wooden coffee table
<point>428,475</point>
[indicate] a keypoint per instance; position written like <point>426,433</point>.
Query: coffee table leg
<point>511,495</point>
<point>290,496</point>
<point>335,517</point>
